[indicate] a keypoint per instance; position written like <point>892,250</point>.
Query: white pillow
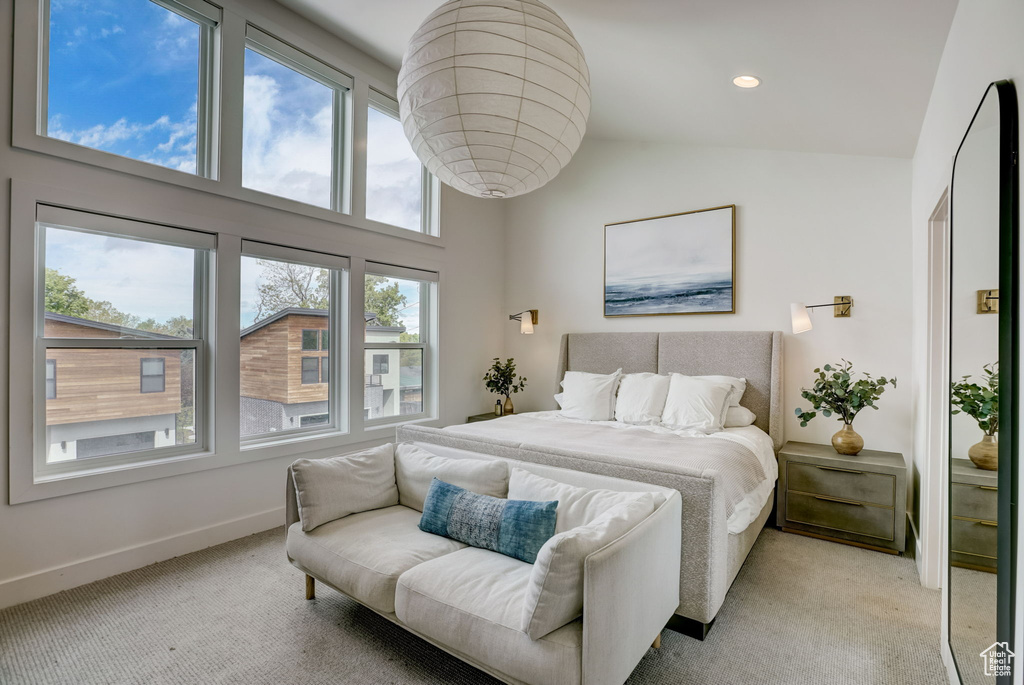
<point>330,489</point>
<point>415,469</point>
<point>695,404</point>
<point>641,398</point>
<point>576,506</point>
<point>738,417</point>
<point>554,595</point>
<point>589,396</point>
<point>738,387</point>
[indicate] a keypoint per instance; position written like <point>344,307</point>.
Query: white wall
<point>983,46</point>
<point>808,227</point>
<point>52,544</point>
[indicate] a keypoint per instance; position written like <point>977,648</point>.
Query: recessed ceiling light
<point>747,81</point>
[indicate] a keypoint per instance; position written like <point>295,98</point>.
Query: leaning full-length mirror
<point>982,346</point>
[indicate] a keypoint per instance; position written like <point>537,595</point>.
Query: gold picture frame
<point>652,284</point>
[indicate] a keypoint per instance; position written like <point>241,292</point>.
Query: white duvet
<point>745,505</point>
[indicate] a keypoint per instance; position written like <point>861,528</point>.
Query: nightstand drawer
<point>973,537</point>
<point>848,484</point>
<point>975,502</point>
<point>846,516</point>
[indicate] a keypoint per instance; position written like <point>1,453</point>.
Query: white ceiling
<point>841,76</point>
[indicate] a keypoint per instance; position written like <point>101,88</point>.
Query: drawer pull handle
<point>837,499</point>
<point>988,487</point>
<point>988,523</point>
<point>833,468</point>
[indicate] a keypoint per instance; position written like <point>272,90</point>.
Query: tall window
<point>51,379</point>
<point>132,77</point>
<point>397,185</point>
<point>290,301</point>
<point>122,312</point>
<point>398,343</point>
<point>152,374</point>
<point>293,123</point>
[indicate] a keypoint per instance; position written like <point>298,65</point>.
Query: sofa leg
<point>689,627</point>
<point>657,642</point>
<point>310,587</point>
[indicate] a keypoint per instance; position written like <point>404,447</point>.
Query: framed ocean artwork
<point>675,264</point>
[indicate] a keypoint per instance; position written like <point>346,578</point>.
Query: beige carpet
<point>802,611</point>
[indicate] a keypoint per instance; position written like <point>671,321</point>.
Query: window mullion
<point>123,343</point>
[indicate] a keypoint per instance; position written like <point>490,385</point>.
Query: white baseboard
<point>46,582</point>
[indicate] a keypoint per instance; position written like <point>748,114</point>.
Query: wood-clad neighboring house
<point>103,384</point>
<point>102,401</point>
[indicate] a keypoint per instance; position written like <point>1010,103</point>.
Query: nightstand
<point>974,501</point>
<point>860,500</point>
<point>482,417</point>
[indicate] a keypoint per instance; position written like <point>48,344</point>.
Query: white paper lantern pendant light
<point>494,95</point>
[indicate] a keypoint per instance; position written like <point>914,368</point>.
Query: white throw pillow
<point>415,469</point>
<point>576,506</point>
<point>554,595</point>
<point>330,489</point>
<point>641,398</point>
<point>695,404</point>
<point>738,417</point>
<point>738,387</point>
<point>589,396</point>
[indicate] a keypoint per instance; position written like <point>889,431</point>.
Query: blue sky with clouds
<point>124,79</point>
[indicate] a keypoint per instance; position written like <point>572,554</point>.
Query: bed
<point>726,480</point>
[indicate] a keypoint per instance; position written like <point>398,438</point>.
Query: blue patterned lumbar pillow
<point>515,528</point>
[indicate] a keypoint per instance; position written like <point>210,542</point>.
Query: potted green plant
<point>980,401</point>
<point>501,379</point>
<point>835,391</point>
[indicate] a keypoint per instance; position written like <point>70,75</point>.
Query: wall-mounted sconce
<point>988,301</point>
<point>526,323</point>
<point>841,307</point>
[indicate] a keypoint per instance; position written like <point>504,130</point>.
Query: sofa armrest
<point>630,591</point>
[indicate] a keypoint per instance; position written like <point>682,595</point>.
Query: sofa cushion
<point>416,468</point>
<point>516,528</point>
<point>554,596</point>
<point>329,489</point>
<point>471,602</point>
<point>576,506</point>
<point>364,554</point>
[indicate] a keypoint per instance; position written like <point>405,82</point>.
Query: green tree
<point>411,357</point>
<point>384,300</point>
<point>62,296</point>
<point>286,285</point>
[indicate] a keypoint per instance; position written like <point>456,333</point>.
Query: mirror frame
<point>1009,367</point>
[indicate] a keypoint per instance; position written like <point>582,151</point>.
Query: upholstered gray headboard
<point>754,355</point>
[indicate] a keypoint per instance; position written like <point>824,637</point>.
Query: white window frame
<point>430,187</point>
<point>208,17</point>
<point>428,343</point>
<point>341,85</point>
<point>205,246</point>
<point>225,106</point>
<point>337,327</point>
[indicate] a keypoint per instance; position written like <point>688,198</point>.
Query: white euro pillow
<point>641,398</point>
<point>554,594</point>
<point>576,506</point>
<point>695,404</point>
<point>739,417</point>
<point>330,489</point>
<point>589,396</point>
<point>415,469</point>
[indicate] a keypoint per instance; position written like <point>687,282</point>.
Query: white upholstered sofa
<point>470,601</point>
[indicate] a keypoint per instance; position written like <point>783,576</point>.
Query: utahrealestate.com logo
<point>998,659</point>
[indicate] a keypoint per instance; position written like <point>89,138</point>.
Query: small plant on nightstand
<point>981,403</point>
<point>501,379</point>
<point>836,392</point>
